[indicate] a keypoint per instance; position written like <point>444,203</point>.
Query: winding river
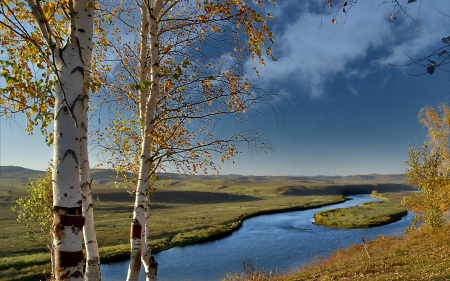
<point>280,242</point>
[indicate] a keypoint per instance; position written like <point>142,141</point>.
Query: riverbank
<point>419,256</point>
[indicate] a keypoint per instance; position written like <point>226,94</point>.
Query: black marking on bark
<point>76,274</point>
<point>74,211</point>
<point>79,98</point>
<point>79,202</point>
<point>79,69</point>
<point>151,14</point>
<point>154,264</point>
<point>65,194</point>
<point>79,50</point>
<point>68,259</point>
<point>66,109</point>
<point>81,30</point>
<point>90,206</point>
<point>60,135</point>
<point>136,229</point>
<point>74,221</point>
<point>71,153</point>
<point>76,229</point>
<point>61,51</point>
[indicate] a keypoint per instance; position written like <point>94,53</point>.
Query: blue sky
<point>348,112</point>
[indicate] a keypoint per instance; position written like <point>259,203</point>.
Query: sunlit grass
<point>418,256</point>
<point>366,215</point>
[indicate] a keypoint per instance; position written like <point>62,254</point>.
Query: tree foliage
<point>201,53</point>
<point>429,169</point>
<point>35,210</point>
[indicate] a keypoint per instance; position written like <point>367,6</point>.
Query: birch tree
<point>48,46</point>
<point>429,169</point>
<point>169,84</point>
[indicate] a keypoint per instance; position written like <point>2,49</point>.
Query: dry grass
<point>418,256</point>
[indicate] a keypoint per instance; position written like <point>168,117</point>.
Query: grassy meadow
<point>366,215</point>
<point>184,211</point>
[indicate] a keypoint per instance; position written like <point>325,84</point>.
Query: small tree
<point>35,211</point>
<point>430,170</point>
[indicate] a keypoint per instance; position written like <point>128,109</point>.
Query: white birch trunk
<point>150,265</point>
<point>138,212</point>
<point>68,220</point>
<point>139,239</point>
<point>72,61</point>
<point>92,272</point>
<point>90,239</point>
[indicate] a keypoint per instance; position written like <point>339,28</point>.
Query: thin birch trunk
<point>150,265</point>
<point>139,240</point>
<point>90,239</point>
<point>149,262</point>
<point>138,211</point>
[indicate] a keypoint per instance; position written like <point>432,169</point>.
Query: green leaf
<point>185,62</point>
<point>135,86</point>
<point>178,73</point>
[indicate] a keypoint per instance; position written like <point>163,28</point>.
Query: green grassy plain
<point>184,211</point>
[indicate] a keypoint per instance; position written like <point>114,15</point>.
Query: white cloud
<point>353,91</point>
<point>311,53</point>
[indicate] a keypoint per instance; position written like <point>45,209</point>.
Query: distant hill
<point>16,172</point>
<point>20,173</point>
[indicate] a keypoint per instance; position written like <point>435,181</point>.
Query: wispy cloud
<point>384,82</point>
<point>353,91</point>
<point>311,53</point>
